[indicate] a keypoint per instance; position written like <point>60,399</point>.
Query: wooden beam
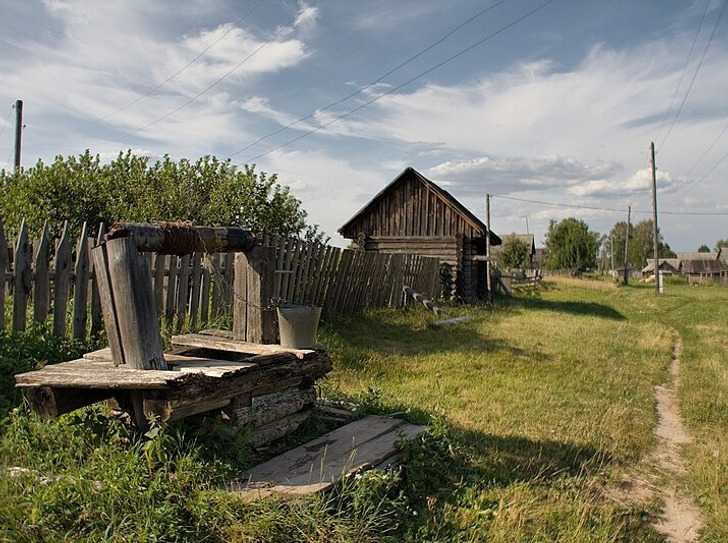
<point>181,238</point>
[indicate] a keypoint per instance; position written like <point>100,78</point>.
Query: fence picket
<point>96,314</point>
<point>42,286</point>
<point>62,283</point>
<point>22,283</point>
<point>186,290</point>
<point>80,286</point>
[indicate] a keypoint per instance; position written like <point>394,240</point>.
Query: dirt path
<point>658,475</point>
<point>681,520</point>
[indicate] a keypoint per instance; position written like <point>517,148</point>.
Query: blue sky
<point>552,102</point>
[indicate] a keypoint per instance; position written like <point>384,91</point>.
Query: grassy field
<point>538,408</point>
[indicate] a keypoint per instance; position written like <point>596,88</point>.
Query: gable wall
<point>411,209</point>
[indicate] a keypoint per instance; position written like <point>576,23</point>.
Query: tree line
<point>207,191</point>
<point>572,245</point>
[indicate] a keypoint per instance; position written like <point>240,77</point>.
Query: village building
<point>413,215</point>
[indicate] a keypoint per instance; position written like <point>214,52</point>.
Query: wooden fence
<point>55,278</point>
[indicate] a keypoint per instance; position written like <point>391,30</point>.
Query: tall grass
<point>535,408</point>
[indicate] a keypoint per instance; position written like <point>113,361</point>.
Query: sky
<point>548,105</point>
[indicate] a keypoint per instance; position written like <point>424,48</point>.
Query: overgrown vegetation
<point>206,191</point>
<point>571,245</point>
<point>536,410</point>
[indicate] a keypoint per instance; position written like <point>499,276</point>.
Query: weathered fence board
<point>198,288</point>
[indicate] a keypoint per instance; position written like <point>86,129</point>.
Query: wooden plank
<point>101,272</point>
<point>132,302</point>
<point>42,286</point>
<point>183,291</point>
<point>217,285</point>
<point>96,312</point>
<point>260,268</point>
<point>23,279</point>
<point>80,286</point>
<point>240,299</point>
<point>287,267</point>
<point>171,293</point>
<point>62,282</point>
<point>3,268</point>
<point>227,283</point>
<point>196,287</point>
<point>159,269</point>
<point>316,465</point>
<point>202,341</point>
<point>205,291</point>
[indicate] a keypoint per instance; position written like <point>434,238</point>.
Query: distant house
<point>703,267</point>
<point>413,215</point>
<point>528,239</point>
<point>668,266</point>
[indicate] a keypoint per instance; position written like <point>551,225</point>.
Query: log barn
<point>413,215</point>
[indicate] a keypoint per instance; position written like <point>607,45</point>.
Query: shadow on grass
<point>590,309</point>
<point>351,340</point>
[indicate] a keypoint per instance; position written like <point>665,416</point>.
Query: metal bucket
<point>297,325</point>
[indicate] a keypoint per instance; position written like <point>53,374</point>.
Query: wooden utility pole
<point>488,282</point>
<point>654,215</point>
<point>626,247</point>
<point>18,132</point>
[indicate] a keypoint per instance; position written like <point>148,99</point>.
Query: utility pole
<point>488,282</point>
<point>18,132</point>
<point>626,247</point>
<point>654,215</point>
<point>611,250</point>
<point>527,230</point>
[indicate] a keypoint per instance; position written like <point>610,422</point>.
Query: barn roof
<point>703,266</point>
<point>464,212</point>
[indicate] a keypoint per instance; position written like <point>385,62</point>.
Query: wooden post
<point>127,299</point>
<point>22,279</point>
<point>488,281</point>
<point>626,247</point>
<point>253,318</point>
<point>3,268</point>
<point>654,216</point>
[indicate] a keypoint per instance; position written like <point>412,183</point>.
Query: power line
<point>369,85</point>
<point>390,91</point>
<point>685,68</point>
<point>183,68</point>
<point>616,210</point>
<point>7,120</point>
<point>217,81</point>
<point>695,75</point>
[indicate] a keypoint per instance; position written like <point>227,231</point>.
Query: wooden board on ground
<point>318,464</point>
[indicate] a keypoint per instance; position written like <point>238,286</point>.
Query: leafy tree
<point>640,244</point>
<point>703,249</point>
<point>514,253</point>
<point>571,245</point>
<point>207,191</point>
<point>722,243</point>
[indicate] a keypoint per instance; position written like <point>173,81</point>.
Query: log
<point>128,297</point>
<point>271,407</point>
<point>424,301</point>
<point>275,430</point>
<point>181,238</point>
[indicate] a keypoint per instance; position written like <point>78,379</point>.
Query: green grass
<point>536,409</point>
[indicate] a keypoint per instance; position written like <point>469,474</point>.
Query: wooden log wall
<point>196,290</point>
